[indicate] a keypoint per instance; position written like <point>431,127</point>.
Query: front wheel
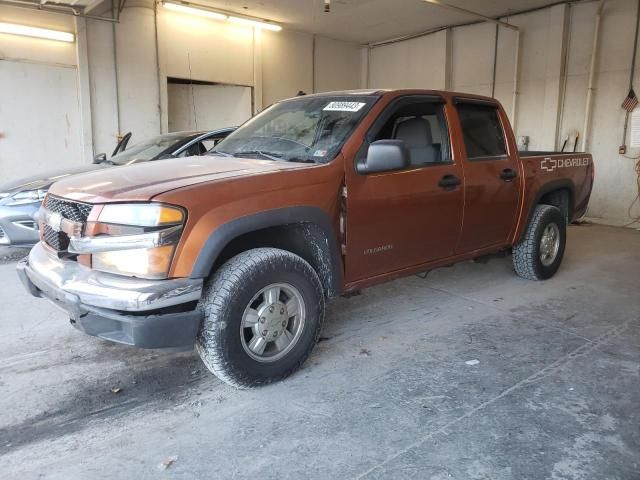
<point>539,254</point>
<point>262,315</point>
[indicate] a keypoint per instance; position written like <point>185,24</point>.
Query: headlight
<point>24,198</point>
<point>134,239</point>
<point>141,215</point>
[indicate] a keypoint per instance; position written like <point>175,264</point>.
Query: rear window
<point>482,131</point>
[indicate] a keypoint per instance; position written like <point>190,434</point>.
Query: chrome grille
<point>78,212</point>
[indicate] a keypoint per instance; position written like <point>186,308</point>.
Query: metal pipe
<point>313,63</point>
<point>566,40</point>
<point>157,45</point>
<point>516,75</point>
<point>495,63</point>
<point>442,4</point>
<point>592,71</point>
<point>115,68</point>
<point>59,9</point>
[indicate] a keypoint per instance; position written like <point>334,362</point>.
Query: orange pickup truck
<point>315,197</point>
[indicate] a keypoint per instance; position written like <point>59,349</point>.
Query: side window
<point>482,131</point>
<point>194,150</point>
<point>211,142</point>
<point>421,125</point>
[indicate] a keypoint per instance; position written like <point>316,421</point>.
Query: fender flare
<point>562,184</point>
<point>226,233</point>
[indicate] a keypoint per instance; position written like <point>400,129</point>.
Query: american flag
<point>631,102</point>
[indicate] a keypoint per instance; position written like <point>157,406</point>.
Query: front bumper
<point>121,309</point>
<point>18,226</point>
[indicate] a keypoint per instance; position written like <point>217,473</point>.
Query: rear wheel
<point>262,315</point>
<point>539,254</point>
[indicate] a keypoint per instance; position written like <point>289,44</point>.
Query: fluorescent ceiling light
<point>203,12</point>
<point>194,11</point>
<point>24,30</point>
<point>255,23</point>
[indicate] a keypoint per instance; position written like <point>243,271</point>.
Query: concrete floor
<point>387,393</point>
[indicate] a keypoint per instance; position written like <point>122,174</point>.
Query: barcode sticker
<point>344,106</point>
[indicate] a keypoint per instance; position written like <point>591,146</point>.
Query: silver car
<point>20,200</point>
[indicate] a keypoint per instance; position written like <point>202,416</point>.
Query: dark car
<point>21,199</point>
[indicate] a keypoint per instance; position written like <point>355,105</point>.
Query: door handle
<point>449,182</point>
<point>508,174</point>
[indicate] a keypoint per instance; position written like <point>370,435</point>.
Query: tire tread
<point>525,260</point>
<point>216,303</point>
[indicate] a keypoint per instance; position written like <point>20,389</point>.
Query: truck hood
<point>144,181</point>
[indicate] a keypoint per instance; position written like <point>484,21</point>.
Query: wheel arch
<point>558,193</point>
<point>305,231</point>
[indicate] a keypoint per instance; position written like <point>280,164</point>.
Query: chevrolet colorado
<point>315,197</point>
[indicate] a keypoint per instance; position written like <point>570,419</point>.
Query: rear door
<point>492,176</point>
<point>400,219</point>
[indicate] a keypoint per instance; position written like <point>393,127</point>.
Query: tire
<point>531,258</point>
<point>241,293</point>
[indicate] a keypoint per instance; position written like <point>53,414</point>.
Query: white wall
<point>44,133</point>
<point>546,111</point>
<point>287,65</point>
<point>472,67</point>
<point>416,63</point>
<point>40,117</point>
<point>216,106</point>
<point>337,65</point>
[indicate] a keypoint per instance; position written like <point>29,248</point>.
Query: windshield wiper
<point>270,156</point>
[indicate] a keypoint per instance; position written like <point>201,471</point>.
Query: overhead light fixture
<point>177,7</point>
<point>255,23</point>
<point>205,12</point>
<point>26,31</point>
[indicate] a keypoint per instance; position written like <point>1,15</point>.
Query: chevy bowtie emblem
<point>58,223</point>
<point>54,220</point>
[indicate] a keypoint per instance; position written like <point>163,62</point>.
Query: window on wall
<point>482,131</point>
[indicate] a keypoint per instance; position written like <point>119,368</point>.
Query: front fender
<point>301,215</point>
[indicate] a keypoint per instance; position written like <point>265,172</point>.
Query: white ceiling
<point>367,21</point>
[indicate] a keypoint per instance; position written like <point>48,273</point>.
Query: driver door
<point>401,219</point>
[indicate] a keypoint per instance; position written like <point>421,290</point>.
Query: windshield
<point>148,149</point>
<point>305,129</point>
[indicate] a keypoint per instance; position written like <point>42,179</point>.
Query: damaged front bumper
<point>133,311</point>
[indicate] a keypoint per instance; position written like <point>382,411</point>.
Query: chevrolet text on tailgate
<point>317,196</point>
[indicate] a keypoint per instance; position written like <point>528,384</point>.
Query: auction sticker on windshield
<point>344,106</point>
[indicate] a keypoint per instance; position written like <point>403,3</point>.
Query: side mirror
<point>100,158</point>
<point>166,156</point>
<point>385,156</point>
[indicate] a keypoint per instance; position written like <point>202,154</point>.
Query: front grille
<point>78,212</point>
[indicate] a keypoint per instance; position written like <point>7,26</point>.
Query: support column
<point>555,69</point>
